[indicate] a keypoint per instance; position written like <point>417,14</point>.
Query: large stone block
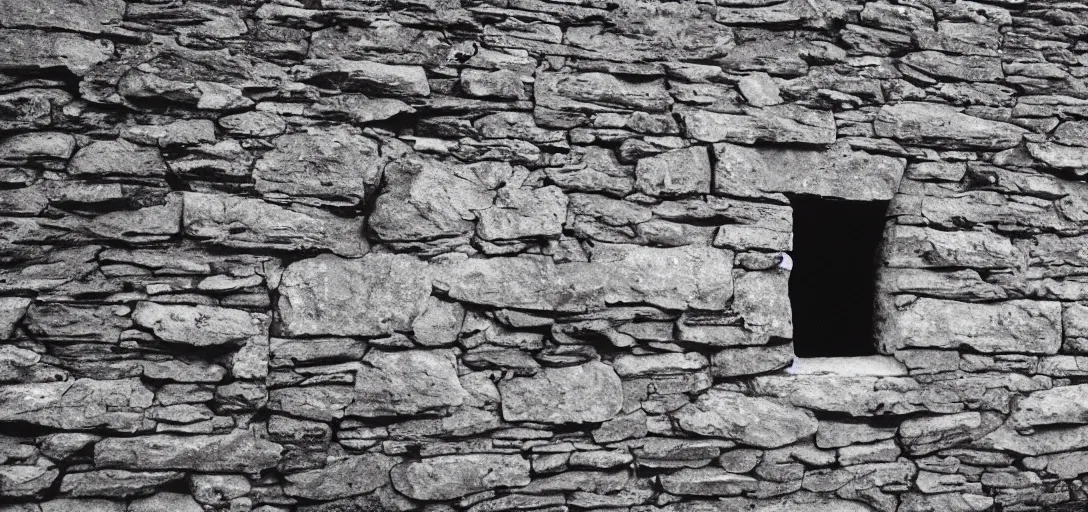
<point>782,124</point>
<point>674,173</point>
<point>919,247</point>
<point>599,92</point>
<point>371,296</point>
<point>1024,326</point>
<point>238,451</point>
<point>407,383</point>
<point>838,172</point>
<point>334,165</point>
<point>452,476</point>
<point>930,124</point>
<point>340,478</point>
<point>253,224</point>
<point>1061,405</point>
<point>748,420</point>
<point>199,326</point>
<point>673,278</point>
<point>587,393</point>
<point>28,50</point>
<point>83,404</point>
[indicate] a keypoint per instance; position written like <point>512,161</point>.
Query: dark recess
<point>833,282</point>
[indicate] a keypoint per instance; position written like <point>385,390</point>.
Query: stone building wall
<point>351,255</point>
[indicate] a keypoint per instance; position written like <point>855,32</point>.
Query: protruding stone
<point>586,393</point>
<point>1032,327</point>
<point>370,296</point>
<point>334,165</point>
<point>781,124</point>
<point>199,326</point>
<point>749,420</point>
<point>407,383</point>
<point>929,124</point>
<point>452,476</point>
<point>599,92</point>
<point>82,404</point>
<point>117,158</point>
<point>340,478</point>
<point>675,173</point>
<point>237,451</point>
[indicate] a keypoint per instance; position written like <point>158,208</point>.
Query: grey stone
<point>117,158</point>
<point>629,365</point>
<point>452,476</point>
<point>369,76</point>
<point>115,483</point>
<point>82,404</point>
<point>674,173</point>
<point>165,501</point>
<point>503,83</point>
<point>782,124</point>
<point>750,420</point>
<point>199,326</point>
<point>682,277</point>
<point>837,172</point>
<point>587,393</point>
<point>334,165</point>
<point>831,434</point>
<point>340,478</point>
<point>522,213</point>
<point>1061,405</point>
<point>26,481</point>
<point>918,247</point>
<point>91,17</point>
<point>707,482</point>
<point>244,223</point>
<point>370,296</point>
<point>599,92</point>
<point>238,451</point>
<point>928,124</point>
<point>407,383</point>
<point>34,50</point>
<point>760,90</point>
<point>957,67</point>
<point>737,362</point>
<point>1032,327</point>
<point>322,403</point>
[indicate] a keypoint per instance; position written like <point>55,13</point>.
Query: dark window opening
<point>833,282</point>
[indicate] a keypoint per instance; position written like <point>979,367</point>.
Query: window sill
<point>863,366</point>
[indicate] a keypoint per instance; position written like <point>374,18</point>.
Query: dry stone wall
<point>490,255</point>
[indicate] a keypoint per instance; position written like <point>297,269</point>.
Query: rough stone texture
<point>320,256</point>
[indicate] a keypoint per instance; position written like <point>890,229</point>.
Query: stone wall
<point>362,255</point>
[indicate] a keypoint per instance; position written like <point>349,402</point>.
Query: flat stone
<point>599,92</point>
<point>28,50</point>
<point>82,404</point>
<point>25,481</point>
<point>92,17</point>
<point>60,321</point>
<point>407,383</point>
<point>253,124</point>
<point>630,365</point>
<point>321,403</point>
<point>736,362</point>
<point>600,482</point>
<point>425,199</point>
<point>504,83</point>
<point>587,393</point>
<point>199,326</point>
<point>382,41</point>
<point>969,68</point>
<point>334,165</point>
<point>115,483</point>
<point>649,31</point>
<point>24,147</point>
<point>218,489</point>
<point>1032,327</point>
<point>945,502</point>
<point>1060,405</point>
<point>117,158</point>
<point>674,173</point>
<point>371,77</point>
<point>185,132</point>
<point>172,501</point>
<point>924,435</point>
<point>838,172</point>
<point>832,434</point>
<point>1063,465</point>
<point>919,247</point>
<point>340,478</point>
<point>1059,156</point>
<point>371,296</point>
<point>671,278</point>
<point>781,124</point>
<point>524,213</point>
<point>1039,442</point>
<point>707,482</point>
<point>253,224</point>
<point>749,420</point>
<point>927,124</point>
<point>759,89</point>
<point>452,476</point>
<point>238,451</point>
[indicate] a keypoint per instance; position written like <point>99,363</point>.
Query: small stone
<point>503,84</point>
<point>524,213</point>
<point>439,323</point>
<point>629,365</point>
<point>833,434</point>
<point>117,158</point>
<point>173,502</point>
<point>759,89</point>
<point>740,460</point>
<point>253,124</point>
<point>218,489</point>
<point>452,476</point>
<point>707,482</point>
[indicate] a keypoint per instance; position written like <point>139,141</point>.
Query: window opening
<point>832,285</point>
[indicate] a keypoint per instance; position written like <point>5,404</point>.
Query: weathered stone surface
<point>29,50</point>
<point>783,124</point>
<point>918,247</point>
<point>928,434</point>
<point>736,362</point>
<point>82,404</point>
<point>587,393</point>
<point>237,451</point>
<point>753,421</point>
<point>369,76</point>
<point>675,173</point>
<point>1060,405</point>
<point>927,124</point>
<point>340,478</point>
<point>165,501</point>
<point>254,224</point>
<point>115,483</point>
<point>370,296</point>
<point>453,476</point>
<point>1013,326</point>
<point>682,277</point>
<point>832,434</point>
<point>959,67</point>
<point>26,481</point>
<point>838,172</point>
<point>92,17</point>
<point>406,383</point>
<point>200,326</point>
<point>521,213</point>
<point>117,158</point>
<point>333,165</point>
<point>658,364</point>
<point>599,92</point>
<point>707,482</point>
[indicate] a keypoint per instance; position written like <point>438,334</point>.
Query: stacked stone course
<point>469,255</point>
